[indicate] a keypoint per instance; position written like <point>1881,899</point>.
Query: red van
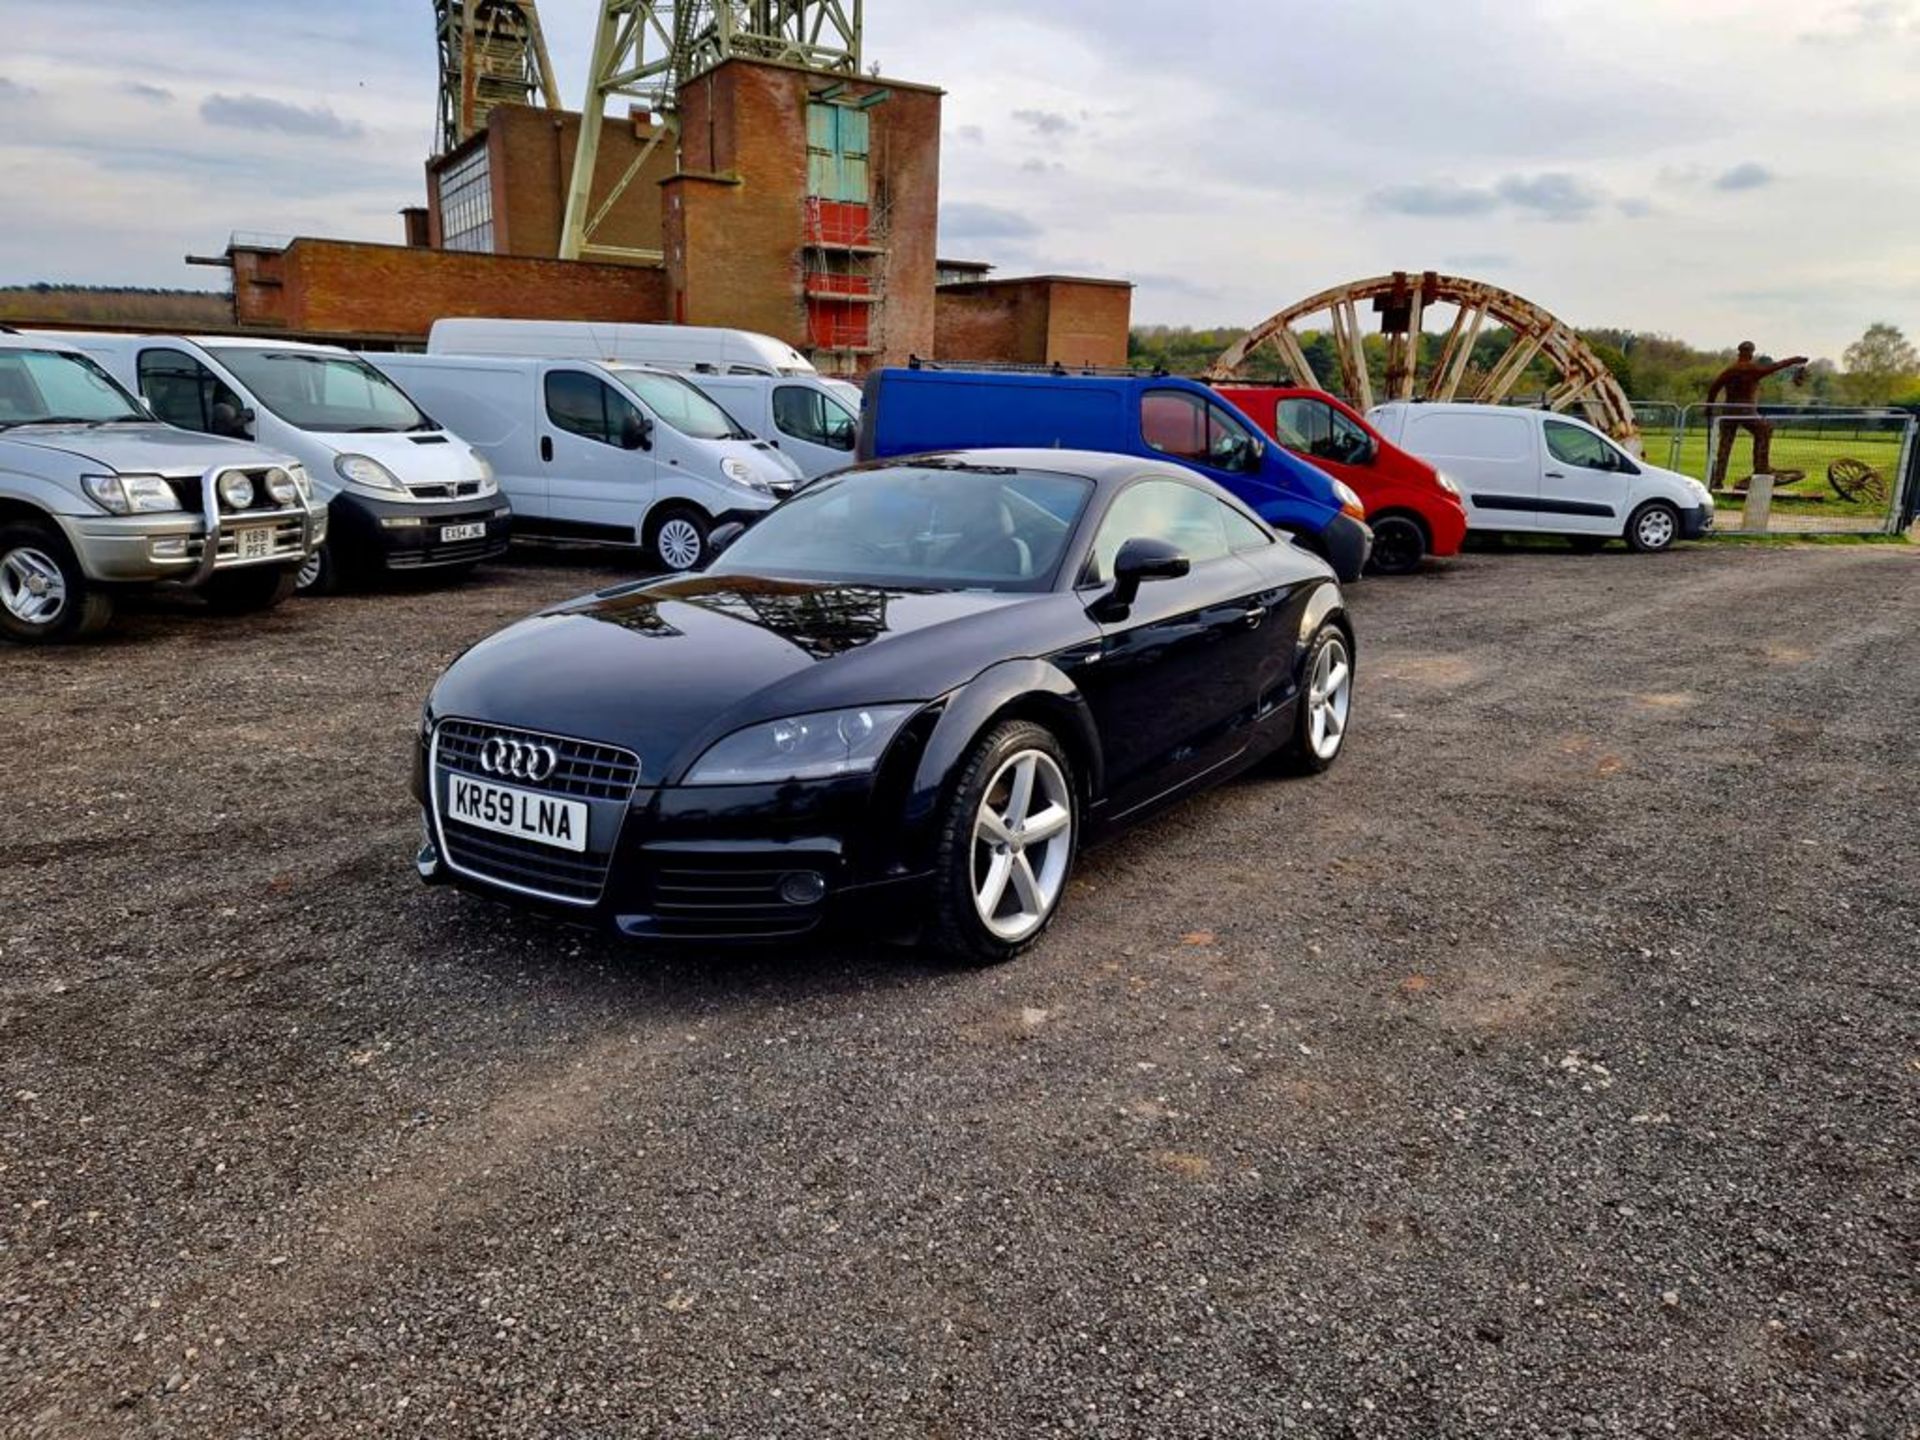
<point>1414,510</point>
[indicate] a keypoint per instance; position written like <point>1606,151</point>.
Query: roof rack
<point>1016,367</point>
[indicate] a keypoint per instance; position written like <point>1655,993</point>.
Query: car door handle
<point>546,447</point>
<point>1555,475</point>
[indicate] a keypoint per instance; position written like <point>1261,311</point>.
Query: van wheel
<point>1007,842</point>
<point>1399,545</point>
<point>1654,527</point>
<point>677,538</point>
<point>44,595</point>
<point>243,592</point>
<point>318,574</point>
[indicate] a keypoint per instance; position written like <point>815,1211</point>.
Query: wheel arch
<point>1404,512</point>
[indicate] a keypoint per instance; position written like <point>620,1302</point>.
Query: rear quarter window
<point>1472,437</point>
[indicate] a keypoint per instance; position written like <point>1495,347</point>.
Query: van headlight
<point>1447,483</point>
<point>489,482</point>
<point>365,470</point>
<point>130,494</point>
<point>738,471</point>
<point>802,747</point>
<point>1350,500</point>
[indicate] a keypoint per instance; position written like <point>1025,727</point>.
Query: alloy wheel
<point>1329,700</point>
<point>680,543</point>
<point>32,587</point>
<point>308,575</point>
<point>1022,844</point>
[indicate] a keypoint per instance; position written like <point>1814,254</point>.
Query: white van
<point>667,347</point>
<point>804,417</point>
<point>1537,471</point>
<point>404,494</point>
<point>617,454</point>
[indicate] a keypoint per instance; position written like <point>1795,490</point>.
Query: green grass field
<point>1807,448</point>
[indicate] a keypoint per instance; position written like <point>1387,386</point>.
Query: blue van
<point>912,412</point>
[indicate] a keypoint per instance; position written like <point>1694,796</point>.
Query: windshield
<point>330,394</point>
<point>37,386</point>
<point>847,391</point>
<point>678,404</point>
<point>927,526</point>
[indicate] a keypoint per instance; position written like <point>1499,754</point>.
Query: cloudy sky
<point>1707,168</point>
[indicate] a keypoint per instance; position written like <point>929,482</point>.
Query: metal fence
<point>1833,470</point>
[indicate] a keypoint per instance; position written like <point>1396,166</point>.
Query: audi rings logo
<point>519,759</point>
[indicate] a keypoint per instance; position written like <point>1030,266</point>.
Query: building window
<point>466,204</point>
<point>837,148</point>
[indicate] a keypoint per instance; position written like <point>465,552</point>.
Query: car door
<point>1176,686</point>
<point>596,488</point>
<point>1587,481</point>
<point>814,428</point>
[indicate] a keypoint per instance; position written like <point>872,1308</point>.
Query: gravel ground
<point>1549,1068</point>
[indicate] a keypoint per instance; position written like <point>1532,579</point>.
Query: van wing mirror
<point>636,432</point>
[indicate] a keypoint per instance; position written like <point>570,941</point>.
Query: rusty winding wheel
<point>1403,300</point>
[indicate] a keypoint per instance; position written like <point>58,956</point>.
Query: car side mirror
<point>1140,560</point>
<point>723,536</point>
<point>232,421</point>
<point>636,432</point>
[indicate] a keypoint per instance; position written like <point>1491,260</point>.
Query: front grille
<point>463,552</point>
<point>716,899</point>
<point>452,490</point>
<point>586,771</point>
<point>526,864</point>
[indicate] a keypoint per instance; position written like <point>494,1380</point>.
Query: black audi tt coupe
<point>908,695</point>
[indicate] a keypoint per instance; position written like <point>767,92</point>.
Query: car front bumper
<point>1346,545</point>
<point>1696,522</point>
<point>144,549</point>
<point>733,863</point>
<point>408,535</point>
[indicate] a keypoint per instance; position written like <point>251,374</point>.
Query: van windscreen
<point>324,393</point>
<point>679,404</point>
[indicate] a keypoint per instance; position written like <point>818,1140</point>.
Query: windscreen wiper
<point>52,420</point>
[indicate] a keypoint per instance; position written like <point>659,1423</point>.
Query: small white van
<point>804,417</point>
<point>404,494</point>
<point>616,454</point>
<point>1546,473</point>
<point>705,348</point>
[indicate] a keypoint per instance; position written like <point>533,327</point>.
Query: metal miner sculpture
<point>1740,383</point>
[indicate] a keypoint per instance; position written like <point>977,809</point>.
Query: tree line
<point>1880,368</point>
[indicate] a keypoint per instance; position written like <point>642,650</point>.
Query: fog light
<point>169,547</point>
<point>804,887</point>
<point>236,490</point>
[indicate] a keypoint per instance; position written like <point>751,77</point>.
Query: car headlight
<point>364,470</point>
<point>302,483</point>
<point>738,471</point>
<point>1447,483</point>
<point>131,494</point>
<point>1350,500</point>
<point>281,488</point>
<point>802,747</point>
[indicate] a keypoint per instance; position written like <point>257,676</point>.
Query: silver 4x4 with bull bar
<point>97,496</point>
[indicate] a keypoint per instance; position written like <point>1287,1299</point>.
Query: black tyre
<point>1653,527</point>
<point>1326,704</point>
<point>1399,545</point>
<point>45,597</point>
<point>1006,848</point>
<point>242,592</point>
<point>677,538</point>
<point>318,574</point>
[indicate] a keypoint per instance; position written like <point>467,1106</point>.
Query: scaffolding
<point>492,52</point>
<point>843,280</point>
<point>645,50</point>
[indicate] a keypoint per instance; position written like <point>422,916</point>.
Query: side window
<point>1573,445</point>
<point>811,416</point>
<point>586,406</point>
<point>1189,427</point>
<point>1314,428</point>
<point>1242,533</point>
<point>181,390</point>
<point>1159,510</point>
